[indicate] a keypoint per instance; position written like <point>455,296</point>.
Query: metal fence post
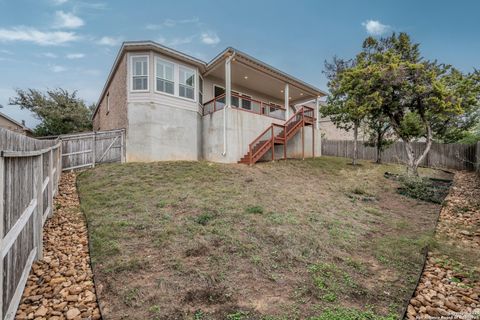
<point>50,182</point>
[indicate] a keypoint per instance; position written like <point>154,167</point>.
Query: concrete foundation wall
<point>159,132</point>
<point>242,128</point>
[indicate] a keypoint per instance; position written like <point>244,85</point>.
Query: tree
<point>378,132</point>
<point>419,98</point>
<point>59,111</point>
<point>346,100</point>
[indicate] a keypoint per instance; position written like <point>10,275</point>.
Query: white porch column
<point>317,113</point>
<point>228,82</point>
<point>287,102</point>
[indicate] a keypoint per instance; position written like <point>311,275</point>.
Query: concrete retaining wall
<point>159,132</point>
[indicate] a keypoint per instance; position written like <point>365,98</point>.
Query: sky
<point>46,44</point>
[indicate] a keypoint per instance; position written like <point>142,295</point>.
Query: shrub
<point>423,188</point>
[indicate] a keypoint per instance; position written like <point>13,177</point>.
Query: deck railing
<point>247,104</point>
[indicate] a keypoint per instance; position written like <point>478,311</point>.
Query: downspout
<point>228,99</point>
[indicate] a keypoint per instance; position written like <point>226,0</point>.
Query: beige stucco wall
<point>331,132</point>
<point>116,117</point>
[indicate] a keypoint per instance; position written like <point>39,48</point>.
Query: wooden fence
<point>29,175</point>
<point>82,150</point>
<point>86,149</point>
<point>449,156</point>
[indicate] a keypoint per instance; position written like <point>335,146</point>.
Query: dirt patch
<point>60,286</point>
<point>197,240</point>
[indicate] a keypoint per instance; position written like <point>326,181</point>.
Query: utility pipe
<point>228,99</point>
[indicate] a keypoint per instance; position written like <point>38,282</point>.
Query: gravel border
<point>60,286</point>
<point>444,292</point>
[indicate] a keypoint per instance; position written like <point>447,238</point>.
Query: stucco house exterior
<point>13,125</point>
<point>234,108</point>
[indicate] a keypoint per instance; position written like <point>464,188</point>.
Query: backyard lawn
<point>282,240</point>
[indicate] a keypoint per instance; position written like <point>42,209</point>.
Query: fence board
<point>29,173</point>
<point>449,156</point>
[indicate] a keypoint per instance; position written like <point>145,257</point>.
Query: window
<point>218,91</point>
<point>200,89</point>
<point>140,73</point>
<point>235,99</point>
<point>186,86</point>
<point>246,104</point>
<point>164,76</point>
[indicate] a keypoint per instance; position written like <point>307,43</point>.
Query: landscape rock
<point>445,290</point>
<point>60,286</point>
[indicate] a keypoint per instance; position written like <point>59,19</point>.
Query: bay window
<point>140,73</point>
<point>186,86</point>
<point>164,76</point>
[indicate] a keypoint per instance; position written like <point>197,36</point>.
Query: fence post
<point>2,219</point>
<point>122,147</point>
<point>38,216</point>
<point>50,182</point>
<point>93,150</point>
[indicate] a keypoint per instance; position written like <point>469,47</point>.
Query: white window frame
<point>148,73</point>
<point>181,84</point>
<point>175,66</point>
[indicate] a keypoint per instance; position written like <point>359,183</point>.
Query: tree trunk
<point>412,165</point>
<point>355,138</point>
<point>411,168</point>
<point>379,147</point>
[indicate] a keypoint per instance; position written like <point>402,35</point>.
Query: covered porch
<point>237,80</point>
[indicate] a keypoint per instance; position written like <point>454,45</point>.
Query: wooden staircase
<point>277,134</point>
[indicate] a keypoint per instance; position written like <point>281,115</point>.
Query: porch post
<point>287,95</point>
<point>317,113</point>
<point>228,82</point>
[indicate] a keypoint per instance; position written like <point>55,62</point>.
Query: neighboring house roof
<point>3,115</point>
<point>204,66</point>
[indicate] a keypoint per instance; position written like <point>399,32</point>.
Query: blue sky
<point>72,44</point>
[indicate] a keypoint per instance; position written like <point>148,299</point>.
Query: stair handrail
<point>271,141</point>
<point>250,146</point>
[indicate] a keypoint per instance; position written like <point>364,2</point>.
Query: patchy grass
<point>316,239</point>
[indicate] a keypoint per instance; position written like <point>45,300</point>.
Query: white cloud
<point>57,68</point>
<point>375,27</point>
<point>67,20</point>
<point>50,55</point>
<point>109,41</point>
<point>59,2</point>
<point>210,38</point>
<point>6,52</point>
<point>36,36</point>
<point>169,23</point>
<point>175,41</point>
<point>75,55</point>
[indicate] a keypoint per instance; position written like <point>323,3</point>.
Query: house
<point>330,131</point>
<point>234,108</point>
<point>10,124</point>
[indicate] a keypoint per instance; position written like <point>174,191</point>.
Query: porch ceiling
<point>253,79</point>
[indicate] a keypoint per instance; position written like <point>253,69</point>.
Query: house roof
<point>206,66</point>
<point>3,115</point>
